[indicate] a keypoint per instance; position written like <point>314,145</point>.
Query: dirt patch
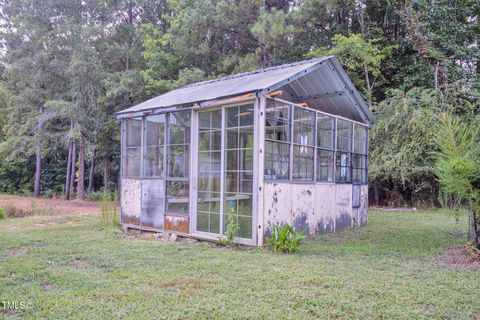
<point>24,206</point>
<point>79,263</point>
<point>460,258</point>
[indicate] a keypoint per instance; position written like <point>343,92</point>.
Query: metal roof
<point>321,83</point>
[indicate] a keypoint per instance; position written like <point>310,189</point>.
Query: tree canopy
<point>68,66</point>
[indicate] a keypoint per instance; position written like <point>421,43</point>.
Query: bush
<point>2,214</point>
<point>100,195</point>
<point>285,239</point>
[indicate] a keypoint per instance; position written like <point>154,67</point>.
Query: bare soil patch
<point>460,258</point>
<point>24,206</point>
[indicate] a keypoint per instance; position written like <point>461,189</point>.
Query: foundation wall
<point>313,208</point>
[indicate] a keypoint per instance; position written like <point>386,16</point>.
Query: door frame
<point>194,173</point>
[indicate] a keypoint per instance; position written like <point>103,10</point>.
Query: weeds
<point>232,229</point>
<point>2,214</point>
<point>109,211</point>
<point>285,239</point>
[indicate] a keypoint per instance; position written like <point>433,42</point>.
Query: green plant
<point>109,211</point>
<point>2,214</point>
<point>232,227</point>
<point>285,239</point>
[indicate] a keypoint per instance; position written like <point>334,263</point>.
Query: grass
<point>68,267</point>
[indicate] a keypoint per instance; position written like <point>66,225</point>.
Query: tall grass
<point>109,211</point>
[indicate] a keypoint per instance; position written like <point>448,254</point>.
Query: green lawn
<point>68,267</point>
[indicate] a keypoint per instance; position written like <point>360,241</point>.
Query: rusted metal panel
<point>343,207</point>
<point>153,203</point>
<point>130,200</point>
<point>324,218</point>
<point>303,207</point>
<point>177,224</point>
<point>278,205</point>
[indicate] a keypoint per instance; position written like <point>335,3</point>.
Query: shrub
<point>285,239</point>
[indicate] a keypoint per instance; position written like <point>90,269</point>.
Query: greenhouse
<point>281,145</point>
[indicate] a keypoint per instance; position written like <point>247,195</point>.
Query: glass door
<point>225,170</point>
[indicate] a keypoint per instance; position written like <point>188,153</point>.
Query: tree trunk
<point>106,174</point>
<point>69,168</point>
<point>74,168</point>
<point>38,164</point>
<point>81,170</point>
<point>475,235</point>
<point>92,169</point>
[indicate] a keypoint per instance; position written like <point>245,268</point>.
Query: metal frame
<point>258,158</point>
<point>194,196</point>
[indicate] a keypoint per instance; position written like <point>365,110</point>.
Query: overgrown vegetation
<point>458,165</point>
<point>285,239</point>
<point>61,83</point>
<point>391,268</point>
<point>232,227</point>
<point>109,211</point>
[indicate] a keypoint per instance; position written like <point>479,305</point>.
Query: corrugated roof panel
<point>321,83</point>
<point>224,87</point>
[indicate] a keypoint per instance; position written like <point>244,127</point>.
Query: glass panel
<point>303,126</point>
<point>154,161</point>
<point>132,155</point>
<point>239,167</point>
<point>131,164</point>
<point>277,158</point>
<point>277,123</point>
<point>177,197</point>
<point>246,115</point>
<point>325,165</point>
<point>133,132</point>
<point>360,139</point>
<point>302,163</point>
<point>325,131</point>
<point>344,135</point>
<point>343,164</point>
<point>154,149</point>
<point>178,161</point>
<point>179,127</point>
<point>155,130</point>
<point>359,168</point>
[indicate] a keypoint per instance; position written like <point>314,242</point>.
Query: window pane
<point>277,123</point>
<point>177,197</point>
<point>360,139</point>
<point>178,143</point>
<point>131,164</point>
<point>133,132</point>
<point>179,127</point>
<point>178,161</point>
<point>154,149</point>
<point>343,167</point>
<point>155,130</point>
<point>344,135</point>
<point>325,131</point>
<point>246,115</point>
<point>302,163</point>
<point>277,158</point>
<point>303,126</point>
<point>239,167</point>
<point>325,165</point>
<point>359,168</point>
<point>154,161</point>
